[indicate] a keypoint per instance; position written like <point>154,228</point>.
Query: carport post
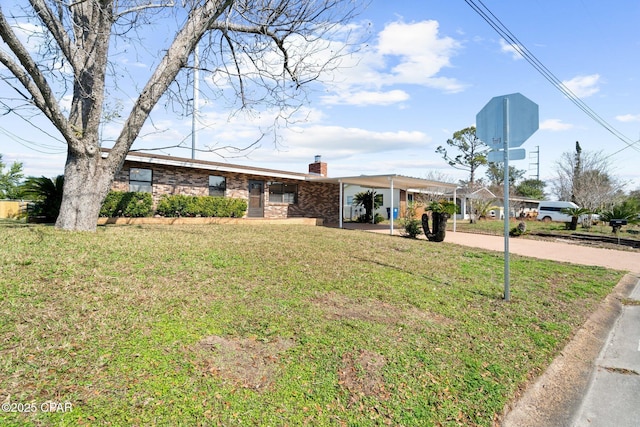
<point>455,215</point>
<point>341,210</point>
<point>373,206</point>
<point>391,210</point>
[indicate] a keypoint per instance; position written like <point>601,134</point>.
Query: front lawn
<point>273,326</point>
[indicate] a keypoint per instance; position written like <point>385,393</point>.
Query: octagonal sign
<point>514,117</point>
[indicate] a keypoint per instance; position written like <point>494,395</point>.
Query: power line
<point>503,31</point>
<point>50,149</point>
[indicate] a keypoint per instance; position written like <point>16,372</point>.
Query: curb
<point>555,396</point>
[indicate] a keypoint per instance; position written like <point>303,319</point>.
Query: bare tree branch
<point>29,75</point>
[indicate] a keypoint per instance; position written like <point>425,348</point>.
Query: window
<point>550,208</point>
<point>349,200</point>
<point>217,185</point>
<point>283,193</point>
<point>140,180</point>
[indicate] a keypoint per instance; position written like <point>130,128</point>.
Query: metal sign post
<point>505,133</point>
<point>507,122</point>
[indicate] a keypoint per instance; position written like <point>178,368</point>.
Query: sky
<point>424,71</point>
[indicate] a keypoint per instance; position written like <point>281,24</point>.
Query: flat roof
<point>384,181</point>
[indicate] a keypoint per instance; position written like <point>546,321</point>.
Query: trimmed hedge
<point>179,205</point>
<point>128,204</point>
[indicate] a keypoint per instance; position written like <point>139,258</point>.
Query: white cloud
<point>421,52</point>
<point>583,86</point>
<point>555,125</point>
<point>367,98</point>
<point>628,118</point>
<point>404,54</point>
<point>513,49</point>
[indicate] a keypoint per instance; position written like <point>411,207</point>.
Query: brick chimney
<point>318,167</point>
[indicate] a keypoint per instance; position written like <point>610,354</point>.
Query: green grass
<point>274,325</point>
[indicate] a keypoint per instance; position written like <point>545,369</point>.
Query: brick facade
<point>315,199</point>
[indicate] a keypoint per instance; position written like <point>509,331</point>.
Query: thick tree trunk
<point>86,184</point>
<point>574,223</point>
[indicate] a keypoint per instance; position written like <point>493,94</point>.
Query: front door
<point>256,199</point>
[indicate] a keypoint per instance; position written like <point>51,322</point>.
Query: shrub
<point>365,219</point>
<point>47,196</point>
<point>175,206</point>
<point>412,228</point>
<point>519,230</point>
<point>128,204</point>
<point>179,205</point>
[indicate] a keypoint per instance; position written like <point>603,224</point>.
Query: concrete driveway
<point>559,250</point>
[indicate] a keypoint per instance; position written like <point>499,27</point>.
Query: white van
<point>550,211</point>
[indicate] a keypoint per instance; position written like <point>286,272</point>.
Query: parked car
<point>550,210</point>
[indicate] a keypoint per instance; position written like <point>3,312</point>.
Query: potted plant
<point>441,211</point>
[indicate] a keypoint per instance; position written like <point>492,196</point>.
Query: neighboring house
<point>269,193</point>
<point>519,207</point>
<point>467,197</point>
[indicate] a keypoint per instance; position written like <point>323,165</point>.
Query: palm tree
<point>47,194</point>
<point>575,213</point>
<point>370,201</point>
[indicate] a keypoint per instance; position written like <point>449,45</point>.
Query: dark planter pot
<point>439,226</point>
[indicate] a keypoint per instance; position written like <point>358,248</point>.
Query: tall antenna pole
<point>536,155</point>
<point>196,92</point>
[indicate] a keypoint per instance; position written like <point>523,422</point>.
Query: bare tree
<point>585,178</point>
<point>265,50</point>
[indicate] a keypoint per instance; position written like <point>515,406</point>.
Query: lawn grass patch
<point>274,325</point>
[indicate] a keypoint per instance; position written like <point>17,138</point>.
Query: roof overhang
<point>210,166</point>
<point>387,181</point>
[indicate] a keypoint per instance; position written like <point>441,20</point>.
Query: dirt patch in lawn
<point>361,375</point>
<point>339,307</point>
<point>244,362</point>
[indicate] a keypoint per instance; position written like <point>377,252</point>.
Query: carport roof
<point>384,181</point>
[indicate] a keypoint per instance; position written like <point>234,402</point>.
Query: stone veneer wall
<point>315,200</point>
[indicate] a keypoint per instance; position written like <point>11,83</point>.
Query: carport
<point>391,181</point>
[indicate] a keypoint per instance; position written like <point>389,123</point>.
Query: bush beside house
<point>127,204</point>
<point>139,204</point>
<point>203,206</point>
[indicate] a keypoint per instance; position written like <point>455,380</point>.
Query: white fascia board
<point>213,167</point>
